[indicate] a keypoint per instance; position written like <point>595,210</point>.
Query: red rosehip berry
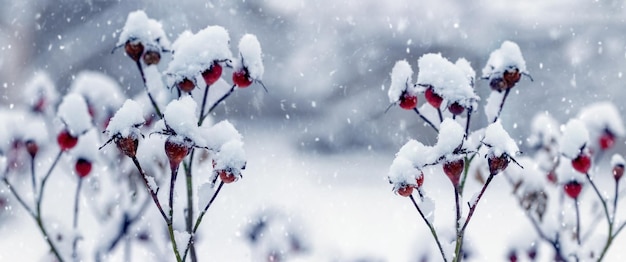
<point>151,57</point>
<point>405,191</point>
<point>498,84</point>
<point>497,164</point>
<point>40,105</point>
<point>453,170</point>
<point>420,180</point>
<point>607,140</point>
<point>127,145</point>
<point>433,98</point>
<point>241,78</point>
<point>175,152</point>
<point>227,177</point>
<point>83,167</point>
<point>32,148</point>
<point>582,163</point>
<point>573,188</point>
<point>618,171</point>
<point>66,140</point>
<point>512,256</point>
<point>186,85</point>
<point>456,109</point>
<point>552,177</point>
<point>532,253</point>
<point>408,101</point>
<point>212,74</point>
<point>134,50</point>
<point>511,77</point>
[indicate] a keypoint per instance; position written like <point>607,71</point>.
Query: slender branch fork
<point>431,227</point>
<point>426,120</point>
<point>199,219</point>
<point>145,84</point>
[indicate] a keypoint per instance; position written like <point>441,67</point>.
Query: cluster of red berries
<point>507,81</point>
<point>135,50</point>
<point>407,190</point>
<point>408,101</point>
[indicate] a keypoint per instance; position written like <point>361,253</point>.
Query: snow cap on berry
<point>466,67</point>
<point>36,130</point>
<point>140,28</point>
<point>507,58</point>
<point>544,130</point>
<point>250,57</point>
<point>181,117</point>
<point>600,117</point>
<point>100,91</point>
<point>450,137</point>
<point>40,88</point>
<point>575,138</point>
<point>402,173</point>
<point>617,160</point>
<point>220,134</point>
<point>126,121</point>
<point>195,53</point>
<point>419,154</point>
<point>87,147</point>
<point>450,81</point>
<point>401,78</point>
<point>74,113</point>
<point>231,156</point>
<point>499,141</point>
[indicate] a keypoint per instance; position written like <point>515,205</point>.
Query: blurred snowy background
<point>318,143</point>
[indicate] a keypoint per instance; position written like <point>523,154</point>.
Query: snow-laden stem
<point>426,119</point>
<point>45,179</point>
<point>189,213</point>
<point>459,233</point>
<point>232,89</point>
<point>440,115</point>
<point>467,123</point>
<point>577,221</point>
<point>153,194</point>
<point>506,94</point>
<point>145,84</point>
<point>608,218</point>
<point>431,227</point>
<point>170,201</point>
<point>75,223</point>
<point>202,115</point>
<point>170,230</point>
<point>615,198</point>
<point>199,219</point>
<point>32,175</point>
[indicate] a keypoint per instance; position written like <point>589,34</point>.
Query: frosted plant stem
<point>18,197</point>
<point>145,84</point>
<point>425,119</point>
<point>170,226</point>
<point>440,115</point>
<point>467,123</point>
<point>431,227</point>
<point>45,179</point>
<point>32,175</point>
<point>232,89</point>
<point>608,218</point>
<point>459,233</point>
<point>75,223</point>
<point>459,240</point>
<point>202,115</point>
<point>506,94</point>
<point>199,219</point>
<point>189,213</point>
<point>153,194</point>
<point>577,221</point>
<point>615,198</point>
<point>468,162</point>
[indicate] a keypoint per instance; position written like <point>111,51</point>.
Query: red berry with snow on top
<point>573,188</point>
<point>32,148</point>
<point>606,140</point>
<point>582,163</point>
<point>175,152</point>
<point>497,164</point>
<point>551,176</point>
<point>511,77</point>
<point>186,85</point>
<point>66,140</point>
<point>227,177</point>
<point>212,74</point>
<point>83,167</point>
<point>408,101</point>
<point>241,78</point>
<point>151,57</point>
<point>420,180</point>
<point>405,191</point>
<point>134,50</point>
<point>456,109</point>
<point>618,171</point>
<point>127,145</point>
<point>453,170</point>
<point>433,98</point>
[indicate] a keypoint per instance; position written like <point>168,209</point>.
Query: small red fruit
<point>453,170</point>
<point>512,256</point>
<point>618,171</point>
<point>456,109</point>
<point>227,177</point>
<point>552,177</point>
<point>420,180</point>
<point>498,84</point>
<point>32,148</point>
<point>151,57</point>
<point>582,163</point>
<point>497,164</point>
<point>40,105</point>
<point>134,50</point>
<point>212,74</point>
<point>66,140</point>
<point>408,101</point>
<point>405,191</point>
<point>83,167</point>
<point>127,145</point>
<point>607,140</point>
<point>433,98</point>
<point>573,188</point>
<point>241,78</point>
<point>186,85</point>
<point>175,152</point>
<point>511,77</point>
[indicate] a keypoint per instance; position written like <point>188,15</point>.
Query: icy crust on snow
<point>126,120</point>
<point>575,137</point>
<point>401,78</point>
<point>87,147</point>
<point>544,130</point>
<point>447,79</point>
<point>219,134</point>
<point>40,86</point>
<point>499,140</point>
<point>617,160</point>
<point>99,90</point>
<point>602,116</point>
<point>250,56</point>
<point>507,58</point>
<point>140,28</point>
<point>74,113</point>
<point>180,116</point>
<point>194,53</point>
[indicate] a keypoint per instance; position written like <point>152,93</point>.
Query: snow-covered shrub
<point>153,134</point>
